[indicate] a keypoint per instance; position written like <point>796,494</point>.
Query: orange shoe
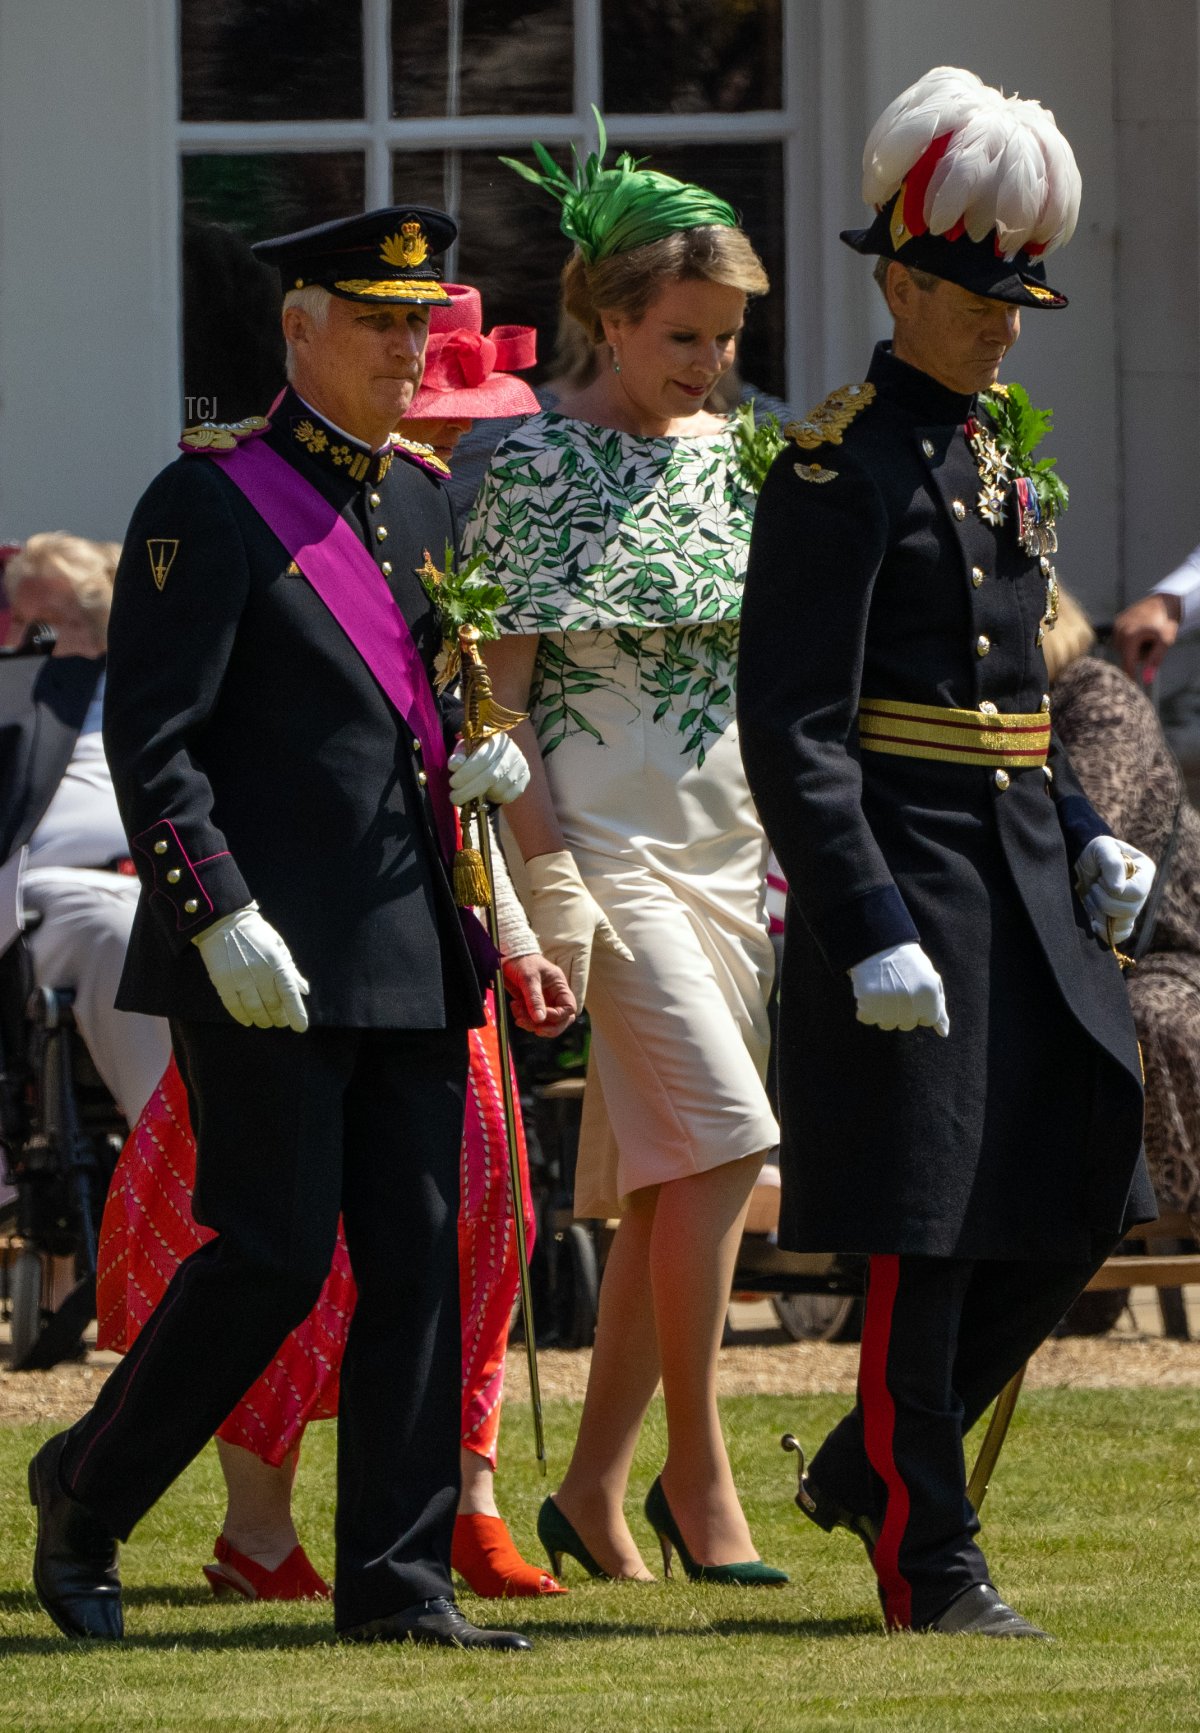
<point>485,1558</point>
<point>293,1580</point>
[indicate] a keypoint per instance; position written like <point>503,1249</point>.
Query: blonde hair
<point>89,567</point>
<point>1071,638</point>
<point>626,283</point>
<point>314,300</point>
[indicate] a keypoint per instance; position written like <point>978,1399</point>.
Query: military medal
<point>994,475</point>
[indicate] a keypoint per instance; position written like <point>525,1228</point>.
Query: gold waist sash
<point>995,741</point>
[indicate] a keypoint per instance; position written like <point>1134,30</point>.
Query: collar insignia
<point>327,448</point>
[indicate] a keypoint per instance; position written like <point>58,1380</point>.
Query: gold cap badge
<point>406,249</point>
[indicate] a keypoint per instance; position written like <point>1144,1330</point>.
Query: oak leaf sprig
<point>1019,429</point>
<point>758,443</point>
<point>462,598</point>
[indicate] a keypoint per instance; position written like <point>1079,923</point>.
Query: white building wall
<point>89,341</point>
<point>1158,152</point>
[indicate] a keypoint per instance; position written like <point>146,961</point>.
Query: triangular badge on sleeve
<point>162,553</point>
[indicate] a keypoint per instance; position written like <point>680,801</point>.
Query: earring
<point>616,361</point>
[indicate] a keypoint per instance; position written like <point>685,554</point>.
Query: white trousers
<point>81,943</point>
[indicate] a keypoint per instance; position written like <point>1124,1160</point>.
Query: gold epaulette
<point>421,454</point>
<point>829,420</point>
<point>221,435</point>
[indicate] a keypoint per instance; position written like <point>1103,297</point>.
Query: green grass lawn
<point>1091,1530</point>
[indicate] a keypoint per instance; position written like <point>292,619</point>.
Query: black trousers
<point>941,1338</point>
<point>291,1130</point>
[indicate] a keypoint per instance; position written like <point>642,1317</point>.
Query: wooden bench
<point>1156,1267</point>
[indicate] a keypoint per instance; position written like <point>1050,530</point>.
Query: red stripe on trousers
<point>879,1430</point>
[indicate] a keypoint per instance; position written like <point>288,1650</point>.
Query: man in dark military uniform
<point>280,763</point>
<point>959,1078</point>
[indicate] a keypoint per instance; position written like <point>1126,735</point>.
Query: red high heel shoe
<point>293,1580</point>
<point>486,1559</point>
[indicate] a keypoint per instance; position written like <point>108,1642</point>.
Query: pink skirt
<point>148,1230</point>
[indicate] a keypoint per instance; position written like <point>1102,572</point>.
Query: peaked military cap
<point>389,255</point>
<point>970,185</point>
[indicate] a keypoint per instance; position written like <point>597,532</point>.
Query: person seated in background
<point>1121,757</point>
<point>57,804</point>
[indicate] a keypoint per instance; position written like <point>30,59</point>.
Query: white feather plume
<point>940,102</point>
<point>1007,167</point>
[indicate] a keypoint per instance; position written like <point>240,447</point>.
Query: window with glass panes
<point>296,111</point>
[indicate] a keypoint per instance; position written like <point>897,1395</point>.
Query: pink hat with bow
<point>469,375</point>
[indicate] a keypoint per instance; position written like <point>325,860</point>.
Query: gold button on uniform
<point>174,876</point>
<point>160,848</point>
<point>1041,634</point>
<point>959,510</point>
<point>982,644</point>
<point>372,499</point>
<point>1002,780</point>
<point>381,533</point>
<point>190,907</point>
<point>416,745</point>
<point>977,575</point>
<point>927,447</point>
<point>422,778</point>
<point>386,568</point>
<point>1048,772</point>
<point>987,708</point>
<point>1045,703</point>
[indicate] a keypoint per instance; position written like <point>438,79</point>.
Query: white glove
<point>1113,880</point>
<point>900,989</point>
<point>252,970</point>
<point>567,918</point>
<point>495,771</point>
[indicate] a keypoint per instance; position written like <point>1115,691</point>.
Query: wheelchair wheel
<point>819,1317</point>
<point>25,1290</point>
<point>576,1287</point>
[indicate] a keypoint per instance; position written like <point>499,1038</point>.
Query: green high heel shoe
<point>560,1540</point>
<point>753,1573</point>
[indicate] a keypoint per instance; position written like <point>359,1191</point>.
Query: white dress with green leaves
<point>625,556</point>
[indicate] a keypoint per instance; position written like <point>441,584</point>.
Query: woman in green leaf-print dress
<point>619,527</point>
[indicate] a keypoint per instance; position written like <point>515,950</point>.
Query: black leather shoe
<point>75,1561</point>
<point>979,1612</point>
<point>438,1623</point>
<point>827,1513</point>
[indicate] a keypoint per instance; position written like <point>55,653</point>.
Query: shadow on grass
<point>151,1595</point>
<point>288,1635</point>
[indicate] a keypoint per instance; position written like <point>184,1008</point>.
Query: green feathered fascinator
<point>613,210</point>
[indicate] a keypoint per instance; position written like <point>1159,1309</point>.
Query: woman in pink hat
<point>148,1225</point>
<point>468,377</point>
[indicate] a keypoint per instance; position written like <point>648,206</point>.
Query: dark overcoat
<point>254,755</point>
<point>873,575</point>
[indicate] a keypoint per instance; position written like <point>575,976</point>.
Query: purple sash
<point>355,591</point>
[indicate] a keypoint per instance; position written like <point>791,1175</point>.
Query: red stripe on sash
<point>879,1429</point>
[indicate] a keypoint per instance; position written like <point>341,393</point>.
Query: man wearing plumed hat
<point>280,762</point>
<point>959,1078</point>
